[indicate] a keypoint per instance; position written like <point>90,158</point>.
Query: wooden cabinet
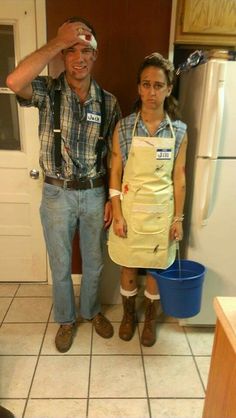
<point>206,22</point>
<point>220,401</point>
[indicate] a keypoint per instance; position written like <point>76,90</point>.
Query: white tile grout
<point>92,355</point>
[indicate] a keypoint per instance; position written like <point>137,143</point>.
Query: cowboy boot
<point>128,323</point>
<point>148,337</point>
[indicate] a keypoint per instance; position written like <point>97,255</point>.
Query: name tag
<point>163,154</point>
<point>93,117</point>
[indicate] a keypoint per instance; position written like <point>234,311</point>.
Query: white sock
<point>150,296</point>
<point>128,293</point>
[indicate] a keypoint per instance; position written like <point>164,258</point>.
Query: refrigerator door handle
<point>219,111</point>
<point>208,198</point>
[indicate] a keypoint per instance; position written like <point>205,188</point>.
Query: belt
<point>82,184</point>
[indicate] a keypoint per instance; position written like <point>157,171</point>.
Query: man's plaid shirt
<point>78,132</point>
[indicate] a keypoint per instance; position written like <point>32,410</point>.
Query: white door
<point>22,248</point>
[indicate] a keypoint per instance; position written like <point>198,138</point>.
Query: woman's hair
<point>158,61</point>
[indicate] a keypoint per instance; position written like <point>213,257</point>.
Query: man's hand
<point>107,214</point>
<point>69,33</point>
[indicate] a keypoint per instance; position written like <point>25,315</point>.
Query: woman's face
<point>153,88</point>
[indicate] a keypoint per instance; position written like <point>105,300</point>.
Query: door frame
<point>41,24</point>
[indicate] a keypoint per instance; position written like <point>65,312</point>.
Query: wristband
<point>114,192</point>
<point>90,38</point>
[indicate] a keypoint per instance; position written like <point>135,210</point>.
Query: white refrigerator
<point>207,99</point>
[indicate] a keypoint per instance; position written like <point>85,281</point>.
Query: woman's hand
<point>120,227</point>
<point>176,231</point>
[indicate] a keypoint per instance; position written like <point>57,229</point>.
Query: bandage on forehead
<point>91,39</point>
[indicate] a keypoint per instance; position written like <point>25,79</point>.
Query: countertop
<point>225,308</point>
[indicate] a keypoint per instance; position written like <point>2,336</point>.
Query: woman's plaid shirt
<point>126,129</point>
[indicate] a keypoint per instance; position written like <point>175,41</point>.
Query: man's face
<point>79,61</point>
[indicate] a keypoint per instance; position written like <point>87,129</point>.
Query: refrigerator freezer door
<point>227,144</point>
<point>208,104</point>
<point>213,244</point>
<point>191,99</point>
<point>213,109</point>
<point>217,132</point>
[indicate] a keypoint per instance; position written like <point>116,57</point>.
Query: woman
<point>147,190</point>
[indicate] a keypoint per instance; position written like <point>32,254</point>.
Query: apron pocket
<point>149,218</point>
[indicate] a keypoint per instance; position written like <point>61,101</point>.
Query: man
<point>74,191</point>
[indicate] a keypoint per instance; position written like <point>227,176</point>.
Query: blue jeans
<point>62,211</point>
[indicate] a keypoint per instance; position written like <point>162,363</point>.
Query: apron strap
<point>171,126</point>
<point>167,117</point>
<point>135,124</point>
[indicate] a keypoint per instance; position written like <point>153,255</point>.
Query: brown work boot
<point>64,337</point>
<point>103,326</point>
<point>148,337</point>
<point>128,323</point>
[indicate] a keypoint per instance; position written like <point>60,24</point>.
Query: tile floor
<point>96,378</point>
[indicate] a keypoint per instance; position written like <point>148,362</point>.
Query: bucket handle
<point>178,258</point>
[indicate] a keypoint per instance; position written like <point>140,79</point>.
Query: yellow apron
<point>147,204</point>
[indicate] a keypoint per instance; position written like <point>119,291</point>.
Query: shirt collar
<point>163,125</point>
<point>94,90</point>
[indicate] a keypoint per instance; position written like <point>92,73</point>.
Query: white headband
<point>92,41</point>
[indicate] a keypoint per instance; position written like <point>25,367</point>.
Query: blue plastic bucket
<point>180,288</point>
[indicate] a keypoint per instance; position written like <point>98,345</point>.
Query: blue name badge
<point>93,117</point>
<point>163,154</point>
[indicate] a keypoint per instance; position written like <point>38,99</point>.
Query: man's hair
<point>81,20</point>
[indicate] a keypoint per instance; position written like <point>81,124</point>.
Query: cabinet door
<point>211,22</point>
